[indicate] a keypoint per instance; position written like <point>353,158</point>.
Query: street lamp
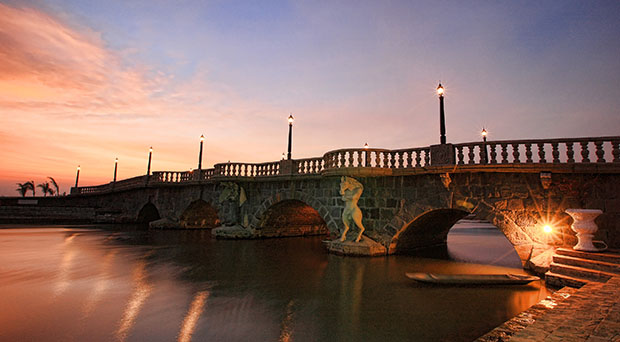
<point>290,135</point>
<point>202,140</point>
<point>365,154</point>
<point>442,119</point>
<point>115,168</point>
<point>148,168</point>
<point>484,144</point>
<point>77,176</point>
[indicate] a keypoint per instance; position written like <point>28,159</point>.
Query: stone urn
<point>585,228</point>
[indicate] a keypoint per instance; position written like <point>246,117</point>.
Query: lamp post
<point>484,144</point>
<point>115,168</point>
<point>365,154</point>
<point>290,136</point>
<point>202,140</point>
<point>442,118</point>
<point>148,168</point>
<point>77,176</point>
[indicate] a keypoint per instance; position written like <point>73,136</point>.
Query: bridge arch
<point>426,230</point>
<point>148,213</point>
<point>199,214</point>
<point>283,203</point>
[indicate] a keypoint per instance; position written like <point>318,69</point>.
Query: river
<point>104,284</point>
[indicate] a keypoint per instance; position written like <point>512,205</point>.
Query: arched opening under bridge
<point>148,213</point>
<point>199,214</point>
<point>292,218</point>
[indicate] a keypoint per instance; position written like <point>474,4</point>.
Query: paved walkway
<point>588,314</point>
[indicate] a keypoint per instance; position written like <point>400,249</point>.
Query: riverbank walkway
<point>588,314</point>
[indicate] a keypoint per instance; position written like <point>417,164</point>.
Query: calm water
<point>87,284</point>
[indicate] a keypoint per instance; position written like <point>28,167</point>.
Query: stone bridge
<point>411,198</point>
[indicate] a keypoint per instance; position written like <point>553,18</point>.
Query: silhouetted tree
<point>45,187</point>
<point>22,188</point>
<point>31,187</point>
<point>57,189</point>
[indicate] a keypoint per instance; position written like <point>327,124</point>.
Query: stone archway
<point>199,214</point>
<point>148,213</point>
<point>291,218</point>
<point>426,230</point>
<point>323,212</point>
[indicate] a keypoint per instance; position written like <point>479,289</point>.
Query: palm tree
<point>55,185</point>
<point>22,188</point>
<point>45,187</point>
<point>30,185</point>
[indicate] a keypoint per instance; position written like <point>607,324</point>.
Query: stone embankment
<point>587,309</point>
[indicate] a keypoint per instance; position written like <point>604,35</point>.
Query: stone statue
<point>232,198</point>
<point>351,191</point>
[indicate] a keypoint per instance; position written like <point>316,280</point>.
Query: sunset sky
<point>84,82</point>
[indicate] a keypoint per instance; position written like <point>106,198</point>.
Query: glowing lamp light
<point>366,145</point>
<point>78,168</point>
<point>484,132</point>
<point>151,149</point>
<point>202,138</point>
<point>290,119</point>
<point>116,161</point>
<point>547,229</point>
<point>440,90</point>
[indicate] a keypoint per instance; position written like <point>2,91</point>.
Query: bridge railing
<point>171,176</point>
<point>375,157</point>
<point>309,165</point>
<point>540,151</point>
<point>112,186</point>
<point>247,169</point>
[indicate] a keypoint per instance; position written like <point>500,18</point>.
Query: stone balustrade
<point>246,169</point>
<point>599,150</point>
<point>540,151</point>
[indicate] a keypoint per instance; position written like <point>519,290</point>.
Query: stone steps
<point>576,268</point>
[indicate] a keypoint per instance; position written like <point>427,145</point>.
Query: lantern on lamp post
<point>290,136</point>
<point>484,145</point>
<point>115,169</point>
<point>202,140</point>
<point>77,176</point>
<point>442,118</point>
<point>366,155</point>
<point>148,168</point>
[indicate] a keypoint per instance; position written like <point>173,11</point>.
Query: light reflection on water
<point>103,285</point>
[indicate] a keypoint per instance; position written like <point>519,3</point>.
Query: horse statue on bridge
<point>351,191</point>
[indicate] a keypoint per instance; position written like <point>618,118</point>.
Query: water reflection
<point>167,285</point>
<point>192,316</point>
<point>141,291</point>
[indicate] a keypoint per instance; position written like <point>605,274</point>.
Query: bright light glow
<point>290,119</point>
<point>366,145</point>
<point>202,138</point>
<point>116,161</point>
<point>78,168</point>
<point>484,132</point>
<point>150,149</point>
<point>440,90</point>
<point>547,229</point>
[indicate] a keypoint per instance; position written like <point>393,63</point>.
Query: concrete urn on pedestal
<point>585,228</point>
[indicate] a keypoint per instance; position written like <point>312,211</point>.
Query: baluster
<point>400,160</point>
<point>359,159</point>
<point>409,159</point>
<point>427,157</point>
<point>600,154</point>
<point>377,159</point>
<point>528,153</point>
<point>615,151</point>
<point>584,152</point>
<point>314,166</point>
<point>460,155</point>
<point>418,158</point>
<point>570,153</point>
<point>471,154</point>
<point>343,160</point>
<point>515,153</point>
<point>392,160</point>
<point>504,153</point>
<point>555,152</point>
<point>385,159</point>
<point>482,153</point>
<point>493,153</point>
<point>350,160</point>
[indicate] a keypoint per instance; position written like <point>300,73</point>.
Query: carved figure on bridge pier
<point>351,191</point>
<point>232,198</point>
